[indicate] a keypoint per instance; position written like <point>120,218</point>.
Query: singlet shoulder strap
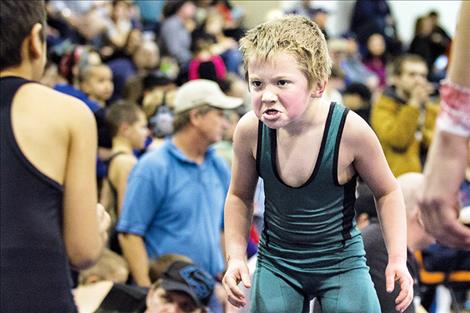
<point>108,163</point>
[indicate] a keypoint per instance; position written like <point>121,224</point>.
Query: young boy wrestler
<point>309,154</point>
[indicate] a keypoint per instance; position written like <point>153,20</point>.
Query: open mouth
<point>271,112</point>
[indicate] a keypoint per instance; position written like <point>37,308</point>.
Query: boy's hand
<point>397,271</point>
<point>237,271</point>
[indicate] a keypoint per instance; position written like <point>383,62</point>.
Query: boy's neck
<point>22,70</point>
<point>121,144</point>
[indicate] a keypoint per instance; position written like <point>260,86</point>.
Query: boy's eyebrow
<point>282,76</point>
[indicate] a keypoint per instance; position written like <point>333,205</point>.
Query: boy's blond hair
<point>293,34</point>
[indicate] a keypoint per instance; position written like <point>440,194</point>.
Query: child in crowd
<point>310,245</point>
<point>97,82</point>
<point>128,127</point>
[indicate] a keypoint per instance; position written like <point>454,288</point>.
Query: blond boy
<point>309,154</point>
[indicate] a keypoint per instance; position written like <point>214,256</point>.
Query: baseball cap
<point>188,278</point>
<point>199,92</point>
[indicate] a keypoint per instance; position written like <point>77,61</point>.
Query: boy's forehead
<point>278,59</point>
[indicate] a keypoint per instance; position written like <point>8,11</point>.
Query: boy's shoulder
<point>45,98</point>
<point>249,122</point>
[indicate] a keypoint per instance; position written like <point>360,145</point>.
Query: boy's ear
<point>318,89</point>
<point>123,128</point>
<point>36,41</point>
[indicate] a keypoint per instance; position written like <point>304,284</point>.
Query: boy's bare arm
<point>239,207</point>
<point>134,251</point>
<point>81,226</point>
<point>371,165</point>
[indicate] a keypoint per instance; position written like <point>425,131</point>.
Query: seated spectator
<point>396,115</point>
<point>357,97</point>
<point>182,287</point>
<point>110,267</point>
<point>145,59</point>
<point>376,59</point>
<point>345,55</point>
<point>205,64</point>
<point>175,32</point>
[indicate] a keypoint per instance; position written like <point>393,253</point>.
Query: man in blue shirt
<point>175,195</point>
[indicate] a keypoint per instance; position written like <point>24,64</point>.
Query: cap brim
<point>225,102</point>
<point>170,285</point>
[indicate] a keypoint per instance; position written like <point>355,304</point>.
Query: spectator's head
<point>357,96</point>
<point>146,56</point>
<point>184,287</point>
<point>407,71</point>
<point>294,35</point>
<point>376,45</point>
<point>185,9</point>
<point>128,122</point>
<point>22,35</point>
<point>74,60</point>
<point>110,267</point>
<point>423,26</point>
<point>200,103</point>
<point>97,82</point>
<point>411,184</point>
<point>320,16</point>
<point>434,17</point>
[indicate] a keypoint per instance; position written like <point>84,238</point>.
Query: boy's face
<point>279,90</point>
<point>137,132</point>
<point>99,84</point>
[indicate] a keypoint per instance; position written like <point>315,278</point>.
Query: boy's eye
<point>256,83</point>
<point>282,82</point>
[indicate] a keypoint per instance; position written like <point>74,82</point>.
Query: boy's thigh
<point>273,294</point>
<point>350,292</point>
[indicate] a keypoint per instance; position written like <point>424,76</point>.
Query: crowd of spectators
<point>127,60</point>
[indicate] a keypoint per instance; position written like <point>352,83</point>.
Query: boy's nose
<point>268,96</point>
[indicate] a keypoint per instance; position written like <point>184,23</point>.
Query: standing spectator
<point>403,116</point>
<point>128,127</point>
<point>439,37</point>
<point>421,43</point>
<point>48,189</point>
<point>175,194</point>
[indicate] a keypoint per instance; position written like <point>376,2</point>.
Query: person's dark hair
<point>359,89</point>
<point>397,67</point>
<point>121,112</point>
<point>172,7</point>
<point>17,18</point>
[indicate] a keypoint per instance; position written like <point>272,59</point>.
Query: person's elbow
<point>82,255</point>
